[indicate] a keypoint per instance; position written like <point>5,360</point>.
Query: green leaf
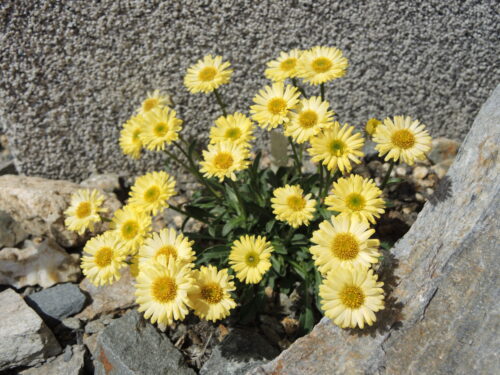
<point>231,224</point>
<point>306,319</point>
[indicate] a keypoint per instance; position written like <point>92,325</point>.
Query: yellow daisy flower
<point>337,147</point>
<point>343,242</point>
<point>84,210</point>
<point>321,64</point>
<point>162,290</point>
<point>151,192</point>
<point>371,126</point>
<point>207,74</point>
<point>224,159</point>
<point>155,99</point>
<point>249,258</point>
<point>284,66</point>
<point>312,116</point>
<point>211,300</point>
<point>291,206</point>
<point>132,225</point>
<point>160,128</point>
<point>103,257</point>
<point>236,128</point>
<point>170,244</point>
<point>357,197</point>
<point>402,139</point>
<point>273,105</point>
<point>350,297</point>
<point>130,137</point>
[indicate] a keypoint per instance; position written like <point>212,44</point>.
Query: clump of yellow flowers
<point>275,227</point>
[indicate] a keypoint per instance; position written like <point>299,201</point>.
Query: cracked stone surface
<point>444,312</point>
<point>74,71</point>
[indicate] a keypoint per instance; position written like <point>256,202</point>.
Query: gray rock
<point>11,233</point>
<point>108,182</point>
<point>71,323</point>
<point>71,362</point>
<point>130,345</point>
<point>240,351</point>
<point>38,205</point>
<point>59,302</point>
<point>25,340</point>
<point>443,314</point>
<point>72,75</point>
<point>38,262</point>
<point>443,149</point>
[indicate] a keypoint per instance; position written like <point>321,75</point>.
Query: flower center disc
<point>168,251</point>
<point>152,194</point>
<point>83,210</point>
<point>403,138</point>
<point>212,293</point>
<point>207,74</point>
<point>223,160</point>
<point>352,297</point>
<point>308,119</point>
<point>321,64</point>
<point>160,129</point>
<point>149,104</point>
<point>164,289</point>
<point>296,202</point>
<point>288,64</point>
<point>135,135</point>
<point>276,106</point>
<point>355,202</point>
<point>252,259</point>
<point>337,147</point>
<point>233,133</point>
<point>345,246</point>
<point>103,256</point>
<point>130,229</point>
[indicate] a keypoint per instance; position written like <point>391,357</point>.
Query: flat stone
<point>71,362</point>
<point>38,262</point>
<point>11,233</point>
<point>130,345</point>
<point>240,351</point>
<point>442,316</point>
<point>108,182</point>
<point>108,298</point>
<point>71,97</point>
<point>38,205</point>
<point>25,339</point>
<point>56,303</point>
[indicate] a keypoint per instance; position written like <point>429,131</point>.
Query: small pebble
<point>94,327</point>
<point>400,171</point>
<point>420,172</point>
<point>419,197</point>
<point>429,191</point>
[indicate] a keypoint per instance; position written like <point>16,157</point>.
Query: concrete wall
<point>73,71</point>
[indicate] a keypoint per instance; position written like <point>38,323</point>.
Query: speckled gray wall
<point>72,71</point>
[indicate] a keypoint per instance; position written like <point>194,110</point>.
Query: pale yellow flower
<point>130,137</point>
<point>151,192</point>
<point>84,210</point>
<point>291,206</point>
<point>155,99</point>
<point>321,64</point>
<point>160,128</point>
<point>223,160</point>
<point>236,128</point>
<point>207,74</point>
<point>249,258</point>
<point>285,66</point>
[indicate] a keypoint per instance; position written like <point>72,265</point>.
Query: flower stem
<point>240,200</point>
<point>301,90</point>
<point>298,164</point>
<point>320,167</point>
<point>387,175</point>
<point>322,88</point>
<point>221,103</point>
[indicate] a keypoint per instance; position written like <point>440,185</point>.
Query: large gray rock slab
<point>71,362</point>
<point>38,262</point>
<point>11,233</point>
<point>25,340</point>
<point>240,351</point>
<point>59,302</point>
<point>38,205</point>
<point>129,345</point>
<point>444,313</point>
<point>74,71</point>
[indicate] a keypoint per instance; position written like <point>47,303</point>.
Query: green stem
<point>322,88</point>
<point>221,103</point>
<point>301,90</point>
<point>298,164</point>
<point>327,184</point>
<point>387,175</point>
<point>240,200</point>
<point>291,231</point>
<point>320,167</point>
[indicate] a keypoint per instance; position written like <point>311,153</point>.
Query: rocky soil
<point>69,326</point>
